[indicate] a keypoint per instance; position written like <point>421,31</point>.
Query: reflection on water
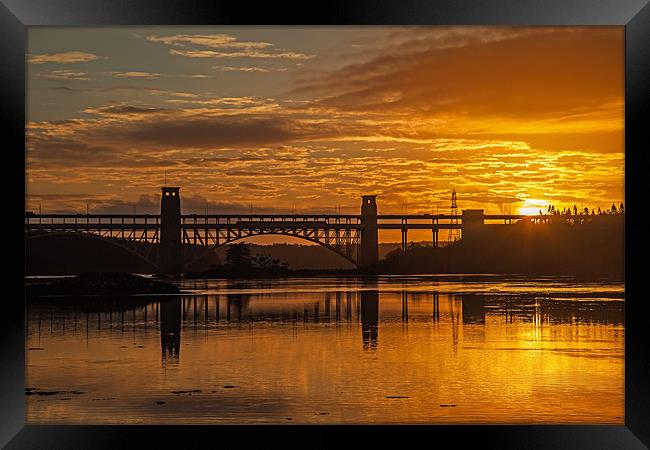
<point>369,318</point>
<point>170,329</point>
<point>326,350</point>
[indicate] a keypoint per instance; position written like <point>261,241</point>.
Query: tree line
<point>239,256</point>
<point>553,211</point>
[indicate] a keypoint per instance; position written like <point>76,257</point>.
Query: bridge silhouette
<point>354,237</point>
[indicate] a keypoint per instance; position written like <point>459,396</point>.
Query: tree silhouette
<point>265,262</point>
<point>239,255</point>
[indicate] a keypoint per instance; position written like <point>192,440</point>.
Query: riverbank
<point>99,284</point>
<point>374,273</point>
<point>229,273</point>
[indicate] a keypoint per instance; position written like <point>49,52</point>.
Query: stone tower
<point>369,252</point>
<point>170,251</point>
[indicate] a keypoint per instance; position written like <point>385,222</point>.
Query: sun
<point>532,206</point>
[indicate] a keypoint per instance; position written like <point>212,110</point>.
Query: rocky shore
<point>101,284</point>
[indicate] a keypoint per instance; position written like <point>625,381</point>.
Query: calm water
<point>420,349</point>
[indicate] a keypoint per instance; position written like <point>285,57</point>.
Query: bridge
<point>354,237</point>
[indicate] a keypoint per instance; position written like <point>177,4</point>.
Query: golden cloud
<point>62,58</point>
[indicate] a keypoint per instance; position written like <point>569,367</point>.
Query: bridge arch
<point>332,248</point>
<point>149,258</point>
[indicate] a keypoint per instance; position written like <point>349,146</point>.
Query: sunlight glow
<point>532,206</point>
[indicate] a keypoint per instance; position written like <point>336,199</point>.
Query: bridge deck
<point>91,226</point>
<point>229,218</point>
<point>246,224</point>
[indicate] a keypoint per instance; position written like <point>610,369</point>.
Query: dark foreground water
<point>419,349</point>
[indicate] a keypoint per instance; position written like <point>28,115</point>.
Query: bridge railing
<point>272,218</point>
<point>137,227</point>
<point>447,216</point>
<point>94,219</point>
<point>385,221</point>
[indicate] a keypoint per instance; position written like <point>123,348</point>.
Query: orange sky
<point>277,119</point>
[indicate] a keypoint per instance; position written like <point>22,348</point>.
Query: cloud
<point>62,58</point>
<point>515,73</point>
<point>181,94</point>
<point>239,54</point>
<point>557,87</point>
<point>197,204</point>
<point>64,89</point>
<point>146,204</point>
<point>148,90</point>
<point>223,46</point>
<point>240,69</point>
<point>500,115</point>
<point>210,132</point>
<point>124,109</point>
<point>66,150</point>
<point>253,104</point>
<point>229,124</point>
<point>145,75</point>
<point>247,158</point>
<point>249,69</point>
<point>129,88</point>
<point>96,204</point>
<point>152,75</point>
<point>63,75</point>
<point>209,40</point>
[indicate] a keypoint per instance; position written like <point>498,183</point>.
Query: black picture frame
<point>16,15</point>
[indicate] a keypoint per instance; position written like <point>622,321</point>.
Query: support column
<point>170,329</point>
<point>473,225</point>
<point>369,318</point>
<point>369,254</point>
<point>170,251</point>
<point>434,233</point>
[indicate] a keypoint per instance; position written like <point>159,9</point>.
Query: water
<point>417,349</point>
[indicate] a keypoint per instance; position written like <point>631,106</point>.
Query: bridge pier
<point>369,318</point>
<point>170,250</point>
<point>369,251</point>
<point>434,233</point>
<point>472,225</point>
<point>170,329</point>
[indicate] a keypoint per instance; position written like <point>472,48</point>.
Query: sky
<point>283,119</point>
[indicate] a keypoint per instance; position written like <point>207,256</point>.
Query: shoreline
<point>311,273</point>
<point>37,279</point>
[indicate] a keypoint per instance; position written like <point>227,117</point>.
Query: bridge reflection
<point>473,307</point>
<point>369,318</point>
<point>170,330</point>
<point>354,306</point>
